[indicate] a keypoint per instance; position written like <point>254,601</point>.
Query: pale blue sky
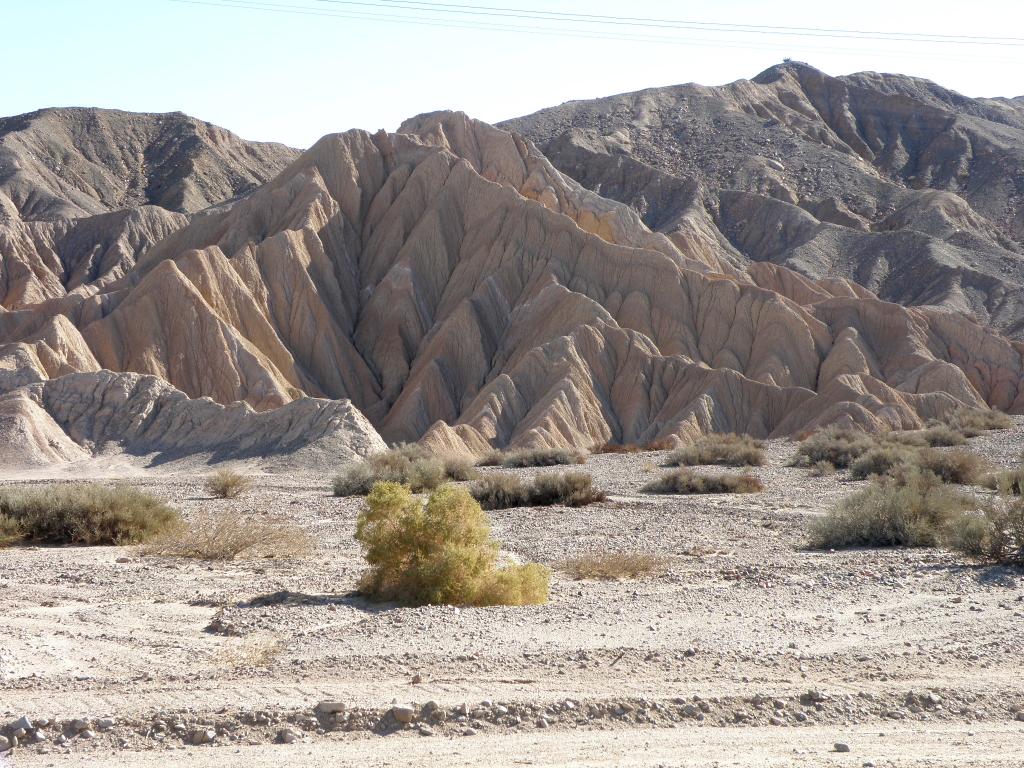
<point>292,78</point>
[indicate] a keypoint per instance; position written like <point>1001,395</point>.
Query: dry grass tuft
<point>839,447</point>
<point>881,460</point>
<point>410,465</point>
<point>686,481</point>
<point>258,651</point>
<point>822,469</point>
<point>438,553</point>
<point>730,449</point>
<point>994,534</point>
<point>541,457</point>
<point>84,514</point>
<point>232,536</point>
<point>615,565</point>
<point>227,484</point>
<point>957,467</point>
<point>971,422</point>
<point>504,491</point>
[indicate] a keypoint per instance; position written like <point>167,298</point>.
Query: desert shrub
<point>571,489</point>
<point>910,511</point>
<point>615,565</point>
<point>491,459</point>
<point>731,450</point>
<point>685,481</point>
<point>438,553</point>
<point>958,467</point>
<point>971,422</point>
<point>1007,482</point>
<point>839,447</point>
<point>83,513</point>
<point>232,536</point>
<point>938,436</point>
<point>227,484</point>
<point>617,448</point>
<point>542,457</point>
<point>994,533</point>
<point>880,460</point>
<point>822,469</point>
<point>258,651</point>
<point>504,491</point>
<point>410,465</point>
<point>500,490</point>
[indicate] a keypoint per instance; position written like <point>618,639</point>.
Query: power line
<point>475,24</point>
<point>709,26</point>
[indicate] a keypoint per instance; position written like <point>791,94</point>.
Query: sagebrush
<point>83,513</point>
<point>540,457</point>
<point>501,490</point>
<point>686,481</point>
<point>232,536</point>
<point>838,446</point>
<point>410,465</point>
<point>227,484</point>
<point>615,565</point>
<point>438,553</point>
<point>727,449</point>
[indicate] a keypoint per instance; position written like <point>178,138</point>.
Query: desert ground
<point>749,651</point>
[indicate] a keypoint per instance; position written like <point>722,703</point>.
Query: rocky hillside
<point>909,189</point>
<point>456,288</point>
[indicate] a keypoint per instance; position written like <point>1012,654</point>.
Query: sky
<point>298,69</point>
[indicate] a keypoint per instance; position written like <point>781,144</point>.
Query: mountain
<point>908,189</point>
<point>458,289</point>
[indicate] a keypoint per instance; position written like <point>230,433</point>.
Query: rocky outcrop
<point>457,288</point>
<point>86,414</point>
<point>911,190</point>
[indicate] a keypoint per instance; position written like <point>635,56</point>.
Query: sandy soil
<point>750,651</point>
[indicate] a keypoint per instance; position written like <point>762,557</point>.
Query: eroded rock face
<point>457,288</point>
<point>911,190</point>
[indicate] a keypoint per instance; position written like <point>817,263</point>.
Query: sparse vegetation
<point>730,449</point>
<point>938,436</point>
<point>410,465</point>
<point>504,491</point>
<point>911,511</point>
<point>615,565</point>
<point>880,460</point>
<point>232,536</point>
<point>227,484</point>
<point>1008,482</point>
<point>84,514</point>
<point>655,445</point>
<point>438,553</point>
<point>541,457</point>
<point>259,651</point>
<point>822,469</point>
<point>971,422</point>
<point>686,481</point>
<point>957,467</point>
<point>839,447</point>
<point>995,533</point>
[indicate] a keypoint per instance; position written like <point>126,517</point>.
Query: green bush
<point>87,514</point>
<point>880,461</point>
<point>440,553</point>
<point>504,491</point>
<point>839,447</point>
<point>685,481</point>
<point>910,511</point>
<point>410,465</point>
<point>730,449</point>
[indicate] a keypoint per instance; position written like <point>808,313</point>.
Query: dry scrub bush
<point>504,491</point>
<point>541,457</point>
<point>839,447</point>
<point>1008,482</point>
<point>910,511</point>
<point>257,651</point>
<point>939,436</point>
<point>87,514</point>
<point>822,469</point>
<point>615,565</point>
<point>227,484</point>
<point>410,465</point>
<point>438,553</point>
<point>232,536</point>
<point>956,467</point>
<point>880,461</point>
<point>685,481</point>
<point>730,449</point>
<point>654,445</point>
<point>971,422</point>
<point>995,533</point>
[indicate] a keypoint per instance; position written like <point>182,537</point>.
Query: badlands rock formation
<point>457,288</point>
<point>908,189</point>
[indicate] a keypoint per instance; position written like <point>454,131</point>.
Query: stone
<point>841,747</point>
<point>22,723</point>
<point>5,743</point>
<point>402,713</point>
<point>330,707</point>
<point>87,734</point>
<point>202,736</point>
<point>288,735</point>
<point>105,723</point>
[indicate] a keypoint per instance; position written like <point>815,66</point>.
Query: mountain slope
<point>458,289</point>
<point>911,190</point>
